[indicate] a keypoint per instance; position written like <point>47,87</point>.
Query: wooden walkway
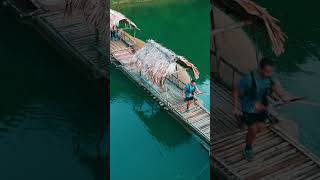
<point>277,155</point>
<point>196,120</point>
<point>76,37</point>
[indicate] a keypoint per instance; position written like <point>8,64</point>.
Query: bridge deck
<point>78,38</point>
<point>277,155</point>
<point>197,119</point>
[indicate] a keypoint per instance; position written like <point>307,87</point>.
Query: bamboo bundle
<point>249,8</point>
<point>156,62</point>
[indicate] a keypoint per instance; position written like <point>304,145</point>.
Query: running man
<point>253,90</point>
<point>188,93</point>
<point>113,33</point>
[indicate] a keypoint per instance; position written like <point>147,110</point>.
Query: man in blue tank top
<point>188,93</point>
<point>253,91</point>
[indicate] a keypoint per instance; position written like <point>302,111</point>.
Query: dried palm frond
<point>248,9</point>
<point>156,62</point>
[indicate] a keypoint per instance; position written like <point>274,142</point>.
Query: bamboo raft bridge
<point>71,35</point>
<point>75,36</point>
<point>277,154</point>
<point>160,72</point>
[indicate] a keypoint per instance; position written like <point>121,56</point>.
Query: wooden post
<point>230,27</point>
<point>177,74</point>
<point>212,45</point>
<point>255,44</point>
<point>214,59</point>
<point>167,96</point>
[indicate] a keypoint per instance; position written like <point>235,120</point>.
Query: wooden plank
<point>244,163</point>
<point>285,155</point>
<point>313,177</point>
<point>274,170</point>
<point>237,148</point>
<point>292,171</point>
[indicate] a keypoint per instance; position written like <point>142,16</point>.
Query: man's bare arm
<point>198,91</point>
<point>279,92</point>
<point>235,94</point>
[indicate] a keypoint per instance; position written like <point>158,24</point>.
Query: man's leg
<point>111,35</point>
<point>188,104</point>
<point>250,139</point>
<point>251,135</point>
<point>260,126</point>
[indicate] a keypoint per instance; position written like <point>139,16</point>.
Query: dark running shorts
<point>189,98</point>
<point>251,118</point>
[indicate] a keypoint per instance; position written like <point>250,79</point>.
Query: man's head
<point>193,82</point>
<point>266,67</point>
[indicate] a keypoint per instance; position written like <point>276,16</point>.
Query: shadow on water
<point>148,139</point>
<point>157,120</point>
<point>53,118</point>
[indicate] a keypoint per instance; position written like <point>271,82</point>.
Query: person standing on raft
<point>114,33</point>
<point>189,92</point>
<point>253,91</point>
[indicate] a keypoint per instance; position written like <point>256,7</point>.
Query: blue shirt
<point>247,99</point>
<point>189,89</point>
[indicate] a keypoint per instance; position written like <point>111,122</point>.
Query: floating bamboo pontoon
<point>166,89</point>
<point>277,154</point>
<point>71,35</point>
<point>76,38</point>
<point>74,35</point>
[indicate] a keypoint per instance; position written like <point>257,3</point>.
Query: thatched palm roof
<point>156,62</point>
<point>250,11</point>
<point>116,18</point>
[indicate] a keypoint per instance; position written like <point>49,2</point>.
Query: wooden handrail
<point>124,36</point>
<point>234,70</point>
<point>230,27</point>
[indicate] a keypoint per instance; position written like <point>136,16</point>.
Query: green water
<point>299,66</point>
<point>147,143</point>
<point>51,114</point>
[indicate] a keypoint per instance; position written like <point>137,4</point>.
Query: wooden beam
<point>230,27</point>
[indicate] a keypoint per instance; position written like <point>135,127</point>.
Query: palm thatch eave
<point>116,18</point>
<point>252,13</point>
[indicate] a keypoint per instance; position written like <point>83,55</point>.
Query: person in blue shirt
<point>253,91</point>
<point>189,92</point>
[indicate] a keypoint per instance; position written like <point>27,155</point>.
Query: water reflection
<point>52,117</point>
<point>88,139</point>
<point>163,127</point>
